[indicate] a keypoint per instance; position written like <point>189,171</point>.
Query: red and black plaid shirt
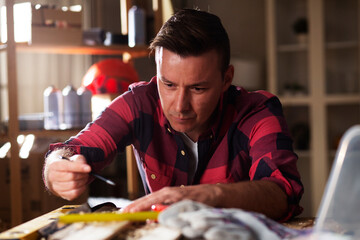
<point>249,140</point>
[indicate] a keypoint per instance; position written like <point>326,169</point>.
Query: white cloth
<point>197,220</point>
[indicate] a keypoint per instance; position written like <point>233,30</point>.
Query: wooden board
<point>90,231</point>
<point>29,230</point>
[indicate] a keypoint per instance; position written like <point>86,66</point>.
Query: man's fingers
<point>68,185</point>
<point>141,204</point>
<point>72,194</point>
<point>71,166</point>
<point>64,176</point>
<point>71,189</point>
<point>165,195</point>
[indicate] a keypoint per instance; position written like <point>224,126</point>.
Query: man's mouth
<point>182,118</point>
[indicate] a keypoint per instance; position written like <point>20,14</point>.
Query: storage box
<point>57,27</point>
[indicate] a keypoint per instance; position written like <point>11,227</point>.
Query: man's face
<point>190,89</point>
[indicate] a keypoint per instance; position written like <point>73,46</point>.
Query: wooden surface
<point>29,230</point>
<point>300,223</point>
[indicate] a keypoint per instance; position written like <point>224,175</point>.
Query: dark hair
<point>191,32</point>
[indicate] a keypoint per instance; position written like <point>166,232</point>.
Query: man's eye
<point>169,84</point>
<point>199,89</point>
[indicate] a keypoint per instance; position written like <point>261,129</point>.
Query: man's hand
<point>67,179</point>
<point>265,197</point>
<point>205,193</point>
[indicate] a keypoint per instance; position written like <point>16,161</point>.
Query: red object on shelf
<point>111,75</point>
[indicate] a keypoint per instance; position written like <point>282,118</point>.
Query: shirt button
<point>169,130</point>
<point>153,176</point>
<point>183,152</point>
<point>211,136</point>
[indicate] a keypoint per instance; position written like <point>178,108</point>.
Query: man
<point>195,136</point>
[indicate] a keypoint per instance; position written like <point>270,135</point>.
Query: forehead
<point>167,62</point>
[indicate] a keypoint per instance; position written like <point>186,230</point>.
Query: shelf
<point>51,133</point>
<point>135,52</point>
<point>2,47</point>
<point>342,45</point>
<point>335,99</point>
<point>294,100</point>
<point>303,153</point>
<point>339,99</point>
<point>292,48</point>
<point>45,133</point>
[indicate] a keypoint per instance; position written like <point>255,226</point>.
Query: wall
<point>244,21</point>
<point>46,70</point>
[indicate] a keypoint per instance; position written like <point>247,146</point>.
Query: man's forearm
<point>260,196</point>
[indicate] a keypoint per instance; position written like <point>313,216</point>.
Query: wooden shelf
<point>303,153</point>
<point>2,47</point>
<point>339,99</point>
<point>342,45</point>
<point>51,133</point>
<point>331,99</point>
<point>332,51</point>
<point>135,52</point>
<point>295,100</point>
<point>44,133</point>
<point>292,48</point>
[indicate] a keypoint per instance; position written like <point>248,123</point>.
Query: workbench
<point>36,228</point>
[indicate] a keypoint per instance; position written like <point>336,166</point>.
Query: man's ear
<point>228,77</point>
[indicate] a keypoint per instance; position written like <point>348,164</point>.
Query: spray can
<point>137,26</point>
<point>52,108</point>
<point>71,108</point>
<point>85,105</point>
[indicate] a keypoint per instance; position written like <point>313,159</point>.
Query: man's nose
<point>182,101</point>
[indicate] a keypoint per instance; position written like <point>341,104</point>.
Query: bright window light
<point>3,25</point>
<point>4,149</point>
<point>20,139</point>
<point>75,8</point>
<point>26,147</point>
<point>22,22</point>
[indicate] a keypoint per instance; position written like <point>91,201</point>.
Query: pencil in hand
<point>108,181</point>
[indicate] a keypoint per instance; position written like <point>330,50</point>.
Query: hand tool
<point>108,181</point>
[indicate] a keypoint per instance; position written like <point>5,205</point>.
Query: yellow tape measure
<point>107,217</point>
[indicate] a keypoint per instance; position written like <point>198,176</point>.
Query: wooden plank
<point>132,174</point>
<point>90,231</point>
<point>15,164</point>
<point>29,230</point>
<point>135,52</point>
<point>52,133</point>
